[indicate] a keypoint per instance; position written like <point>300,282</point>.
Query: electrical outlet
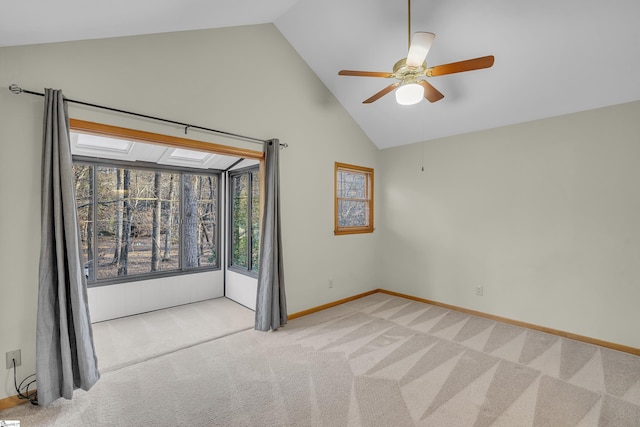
<point>330,283</point>
<point>11,355</point>
<point>479,290</point>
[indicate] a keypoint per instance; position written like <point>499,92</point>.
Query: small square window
<point>353,199</point>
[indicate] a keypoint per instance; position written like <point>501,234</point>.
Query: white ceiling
<point>552,56</point>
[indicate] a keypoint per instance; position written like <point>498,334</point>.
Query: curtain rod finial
<point>15,89</point>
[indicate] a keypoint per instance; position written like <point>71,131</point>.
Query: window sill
<point>252,274</point>
<point>148,276</point>
<point>353,231</point>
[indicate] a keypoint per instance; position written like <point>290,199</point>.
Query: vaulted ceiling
<point>551,57</point>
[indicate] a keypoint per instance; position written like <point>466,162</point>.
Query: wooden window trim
<point>101,129</point>
<point>353,230</point>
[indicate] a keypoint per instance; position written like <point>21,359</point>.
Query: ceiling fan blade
<point>459,67</point>
<point>364,73</point>
<point>420,45</point>
<point>430,93</point>
<point>382,93</point>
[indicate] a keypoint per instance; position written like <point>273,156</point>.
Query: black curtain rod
<point>17,90</point>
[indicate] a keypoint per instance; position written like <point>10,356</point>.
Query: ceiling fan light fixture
<point>409,93</point>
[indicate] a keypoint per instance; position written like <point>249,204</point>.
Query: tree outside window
<point>137,221</point>
<point>244,189</point>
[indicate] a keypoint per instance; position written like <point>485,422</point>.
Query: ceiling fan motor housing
<point>406,73</point>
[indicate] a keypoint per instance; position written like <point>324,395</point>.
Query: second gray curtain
<point>65,354</point>
<point>271,305</point>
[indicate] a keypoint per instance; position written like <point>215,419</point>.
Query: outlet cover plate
<point>15,354</point>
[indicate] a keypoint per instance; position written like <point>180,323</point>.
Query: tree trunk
<point>168,224</point>
<point>190,222</point>
<point>200,216</point>
<point>119,208</point>
<point>126,225</point>
<point>84,192</point>
<point>207,220</point>
<point>156,219</point>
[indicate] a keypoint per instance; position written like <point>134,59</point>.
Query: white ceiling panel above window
<point>186,158</point>
<point>190,155</point>
<point>87,145</point>
<point>83,144</point>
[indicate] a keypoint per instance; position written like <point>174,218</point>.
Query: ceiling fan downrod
<point>409,24</point>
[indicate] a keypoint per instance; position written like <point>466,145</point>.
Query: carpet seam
<point>156,356</point>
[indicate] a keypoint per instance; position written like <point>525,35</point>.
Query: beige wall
<point>544,215</point>
<point>246,80</point>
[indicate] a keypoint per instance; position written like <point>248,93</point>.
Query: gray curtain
<point>65,354</point>
<point>271,305</point>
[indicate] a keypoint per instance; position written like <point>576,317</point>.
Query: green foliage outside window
<point>245,220</point>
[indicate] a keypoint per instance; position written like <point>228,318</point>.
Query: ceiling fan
<point>410,87</point>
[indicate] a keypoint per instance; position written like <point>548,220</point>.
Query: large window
<point>244,193</point>
<point>138,222</point>
<point>353,199</point>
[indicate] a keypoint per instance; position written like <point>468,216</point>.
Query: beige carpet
<point>132,339</point>
<point>377,361</point>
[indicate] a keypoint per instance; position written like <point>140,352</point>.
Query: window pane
<point>135,209</point>
<point>83,180</point>
<point>353,213</point>
<point>109,214</point>
<point>255,221</point>
<point>201,194</point>
<point>170,221</point>
<point>240,218</point>
<point>190,218</point>
<point>245,220</point>
<point>352,185</point>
